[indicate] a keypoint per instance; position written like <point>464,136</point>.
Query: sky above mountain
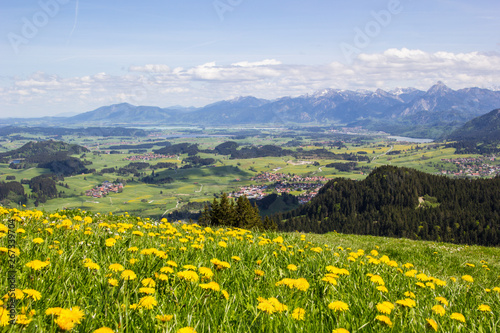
<point>60,56</point>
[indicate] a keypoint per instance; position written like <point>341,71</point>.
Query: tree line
<point>236,214</point>
<point>391,201</point>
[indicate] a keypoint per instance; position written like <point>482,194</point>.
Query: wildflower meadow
<point>78,271</point>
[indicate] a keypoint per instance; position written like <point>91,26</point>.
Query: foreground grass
<point>135,275</point>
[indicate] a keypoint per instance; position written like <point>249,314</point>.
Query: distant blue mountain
<point>399,109</point>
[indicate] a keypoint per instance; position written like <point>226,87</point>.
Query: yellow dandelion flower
<point>468,278</point>
<point>147,302</point>
<point>220,264</point>
<point>23,320</point>
<point>35,295</point>
<point>113,282</point>
<point>458,317</point>
<point>147,290</point>
<point>166,270</point>
<point>172,263</point>
<point>382,289</point>
<point>411,273</point>
<point>407,302</point>
<point>148,282</point>
<point>431,323</point>
<point>385,307</point>
<point>164,318</point>
<point>236,258</point>
<point>409,294</point>
<point>439,310</point>
<point>116,267</point>
<point>188,276</point>
<point>340,330</point>
<point>211,285</point>
<point>316,249</point>
<point>331,279</point>
<point>338,306</point>
<point>422,277</point>
<point>4,317</point>
<point>222,244</point>
<point>278,306</point>
<point>384,319</point>
<point>69,318</point>
<point>225,294</point>
<point>301,284</point>
<point>299,314</point>
<point>206,272</point>
<point>104,330</point>
<point>377,279</point>
<point>38,240</point>
<point>442,300</point>
<point>92,265</point>
<point>37,264</point>
<point>110,242</point>
<point>484,308</point>
<point>186,329</point>
<point>338,271</point>
<point>259,272</point>
<point>128,275</point>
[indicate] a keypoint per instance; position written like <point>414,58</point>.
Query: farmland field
<point>200,184</point>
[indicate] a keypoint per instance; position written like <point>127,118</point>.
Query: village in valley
<point>307,186</point>
<point>104,189</point>
<point>472,167</point>
<point>149,157</point>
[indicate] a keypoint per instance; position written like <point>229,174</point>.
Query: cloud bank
<point>158,84</point>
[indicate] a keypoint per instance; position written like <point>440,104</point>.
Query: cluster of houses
<point>282,183</point>
<point>260,191</point>
<point>148,157</point>
<point>472,167</point>
<point>103,189</point>
<point>279,177</point>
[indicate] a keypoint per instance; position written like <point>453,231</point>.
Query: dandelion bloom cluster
<point>338,306</point>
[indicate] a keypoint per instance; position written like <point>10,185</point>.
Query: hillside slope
<point>402,202</point>
<point>485,128</point>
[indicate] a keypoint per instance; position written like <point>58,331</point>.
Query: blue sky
<point>59,56</point>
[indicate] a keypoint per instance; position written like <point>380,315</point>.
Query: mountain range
<point>403,111</point>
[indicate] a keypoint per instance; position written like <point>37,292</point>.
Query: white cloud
<point>158,84</point>
<point>150,69</point>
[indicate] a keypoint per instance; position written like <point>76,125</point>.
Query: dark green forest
<point>402,202</point>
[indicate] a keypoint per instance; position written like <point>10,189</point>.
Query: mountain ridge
<point>402,109</point>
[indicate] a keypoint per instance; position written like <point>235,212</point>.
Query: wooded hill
<point>37,150</point>
<point>402,202</point>
<point>481,135</point>
<point>52,155</point>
